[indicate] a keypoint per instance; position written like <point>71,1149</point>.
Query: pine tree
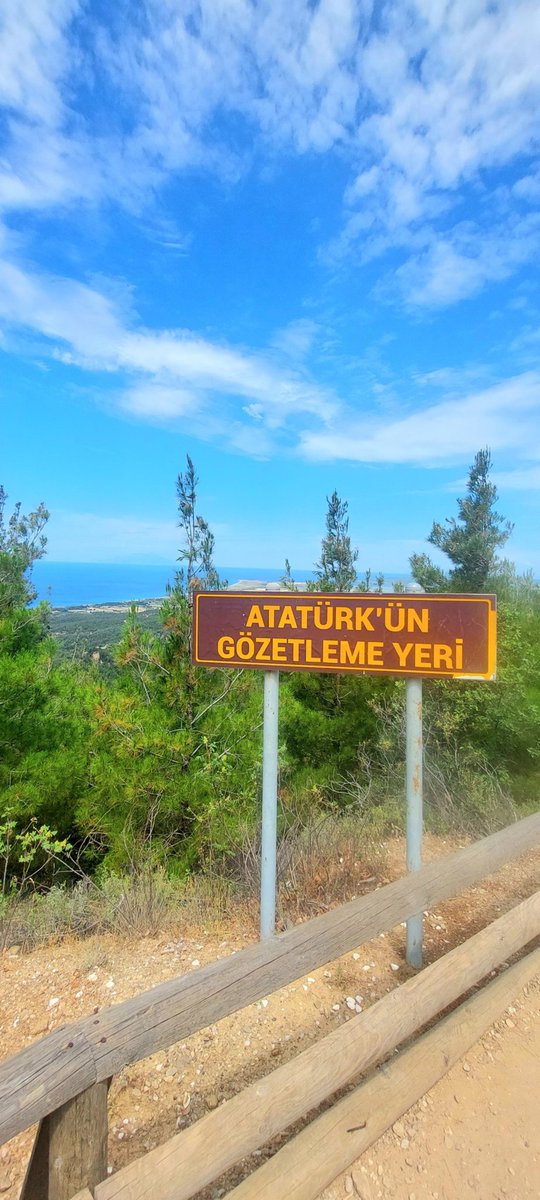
<point>336,571</point>
<point>470,541</point>
<point>22,542</point>
<point>197,553</point>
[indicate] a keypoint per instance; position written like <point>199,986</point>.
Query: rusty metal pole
<point>414,759</point>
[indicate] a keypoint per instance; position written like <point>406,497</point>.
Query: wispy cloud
<point>175,376</point>
<point>505,416</point>
<point>420,99</point>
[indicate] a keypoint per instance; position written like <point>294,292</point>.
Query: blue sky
<point>298,241</point>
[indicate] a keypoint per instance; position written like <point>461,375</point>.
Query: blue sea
<point>69,585</point>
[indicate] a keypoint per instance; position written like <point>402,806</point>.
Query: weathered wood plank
<point>43,1077</point>
<point>70,1151</point>
<point>36,1181</point>
<point>309,1163</point>
<point>191,1160</point>
<point>78,1143</point>
<point>36,1081</point>
<point>173,1010</point>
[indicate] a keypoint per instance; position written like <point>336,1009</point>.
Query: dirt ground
<point>476,1132</point>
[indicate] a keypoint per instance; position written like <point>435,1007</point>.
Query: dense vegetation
<point>134,756</point>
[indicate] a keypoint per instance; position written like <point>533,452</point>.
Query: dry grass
<point>322,861</point>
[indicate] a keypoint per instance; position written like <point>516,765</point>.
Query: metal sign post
<point>269,805</point>
<point>414,763</point>
<point>413,637</point>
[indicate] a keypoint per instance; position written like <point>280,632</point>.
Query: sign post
<point>414,820</point>
<point>269,805</point>
<point>408,636</point>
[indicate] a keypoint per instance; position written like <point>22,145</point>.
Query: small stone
<point>466,1067</point>
<point>510,1023</point>
<point>53,1002</point>
<point>39,1029</point>
<point>405,1143</point>
<point>195,962</point>
<point>335,1008</point>
<point>5,1182</point>
<point>350,1002</point>
<point>349,1185</point>
<point>212,1100</point>
<point>394,966</point>
<point>398,1129</point>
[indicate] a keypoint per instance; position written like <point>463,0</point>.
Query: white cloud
<point>505,417</point>
<point>177,376</point>
<point>526,479</point>
<point>420,97</point>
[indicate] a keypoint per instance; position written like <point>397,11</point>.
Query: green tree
<point>43,726</point>
<point>470,541</point>
<point>175,760</point>
<point>22,542</point>
<point>336,571</point>
<point>327,718</point>
<point>197,553</point>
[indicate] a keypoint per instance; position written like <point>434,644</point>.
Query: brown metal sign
<point>371,634</point>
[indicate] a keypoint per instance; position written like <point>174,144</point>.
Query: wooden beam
<point>47,1074</point>
<point>70,1150</point>
<point>191,1160</point>
<point>43,1077</point>
<point>313,1159</point>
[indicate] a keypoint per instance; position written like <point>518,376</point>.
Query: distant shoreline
<point>110,606</point>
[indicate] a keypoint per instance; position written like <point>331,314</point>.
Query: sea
<point>74,585</point>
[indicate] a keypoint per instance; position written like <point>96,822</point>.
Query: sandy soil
<point>476,1133</point>
<point>150,1100</point>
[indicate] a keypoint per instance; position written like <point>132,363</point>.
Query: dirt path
<point>476,1133</point>
<point>152,1099</point>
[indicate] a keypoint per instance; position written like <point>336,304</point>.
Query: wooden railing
<point>62,1080</point>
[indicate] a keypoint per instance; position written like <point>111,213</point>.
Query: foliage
<point>336,571</point>
<point>22,542</point>
<point>148,767</point>
<point>198,549</point>
<point>26,853</point>
<point>470,541</point>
